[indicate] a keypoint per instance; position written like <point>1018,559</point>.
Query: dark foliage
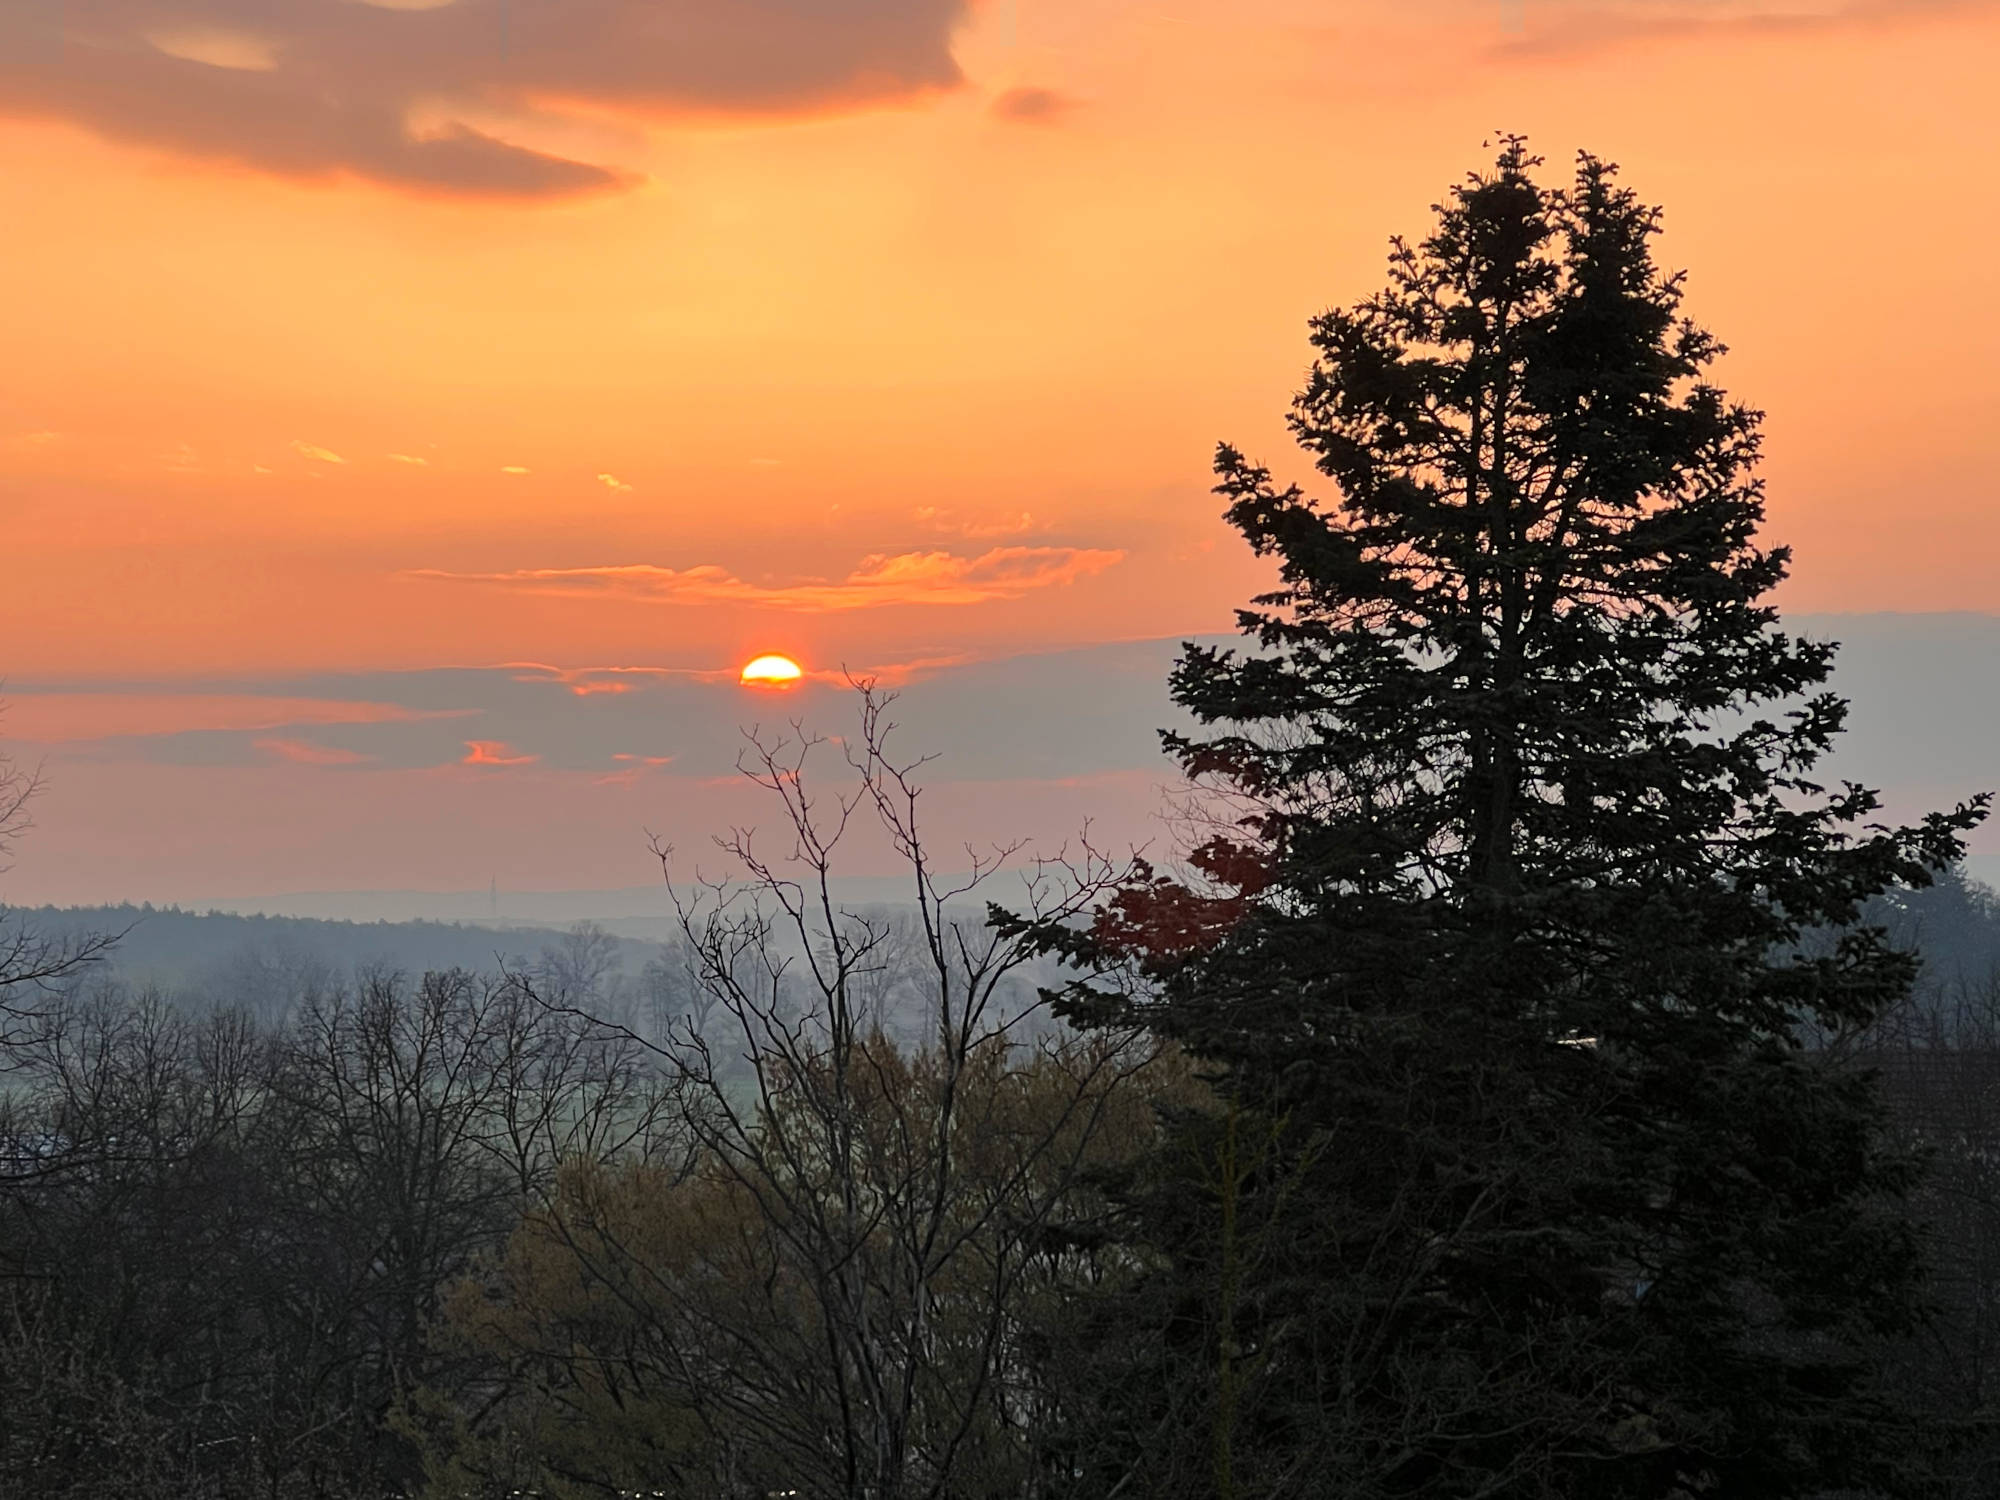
<point>222,1247</point>
<point>1506,947</point>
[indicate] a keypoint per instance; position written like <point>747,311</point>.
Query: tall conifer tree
<point>1513,957</point>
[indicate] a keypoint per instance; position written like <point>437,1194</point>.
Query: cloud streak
<point>975,528</point>
<point>1032,106</point>
<point>635,767</point>
<point>1560,28</point>
<point>71,717</point>
<point>495,753</point>
<point>312,87</point>
<point>906,578</point>
<point>594,682</point>
<point>305,753</point>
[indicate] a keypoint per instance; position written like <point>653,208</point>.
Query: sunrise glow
<point>394,384</point>
<point>1416,578</point>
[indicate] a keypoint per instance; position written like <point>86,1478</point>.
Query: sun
<point>772,671</point>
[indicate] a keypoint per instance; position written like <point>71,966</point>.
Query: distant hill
<point>263,963</point>
<point>642,911</point>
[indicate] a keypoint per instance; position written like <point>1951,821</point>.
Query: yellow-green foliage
<point>866,1258</point>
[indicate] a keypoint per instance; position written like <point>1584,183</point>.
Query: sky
<point>413,413</point>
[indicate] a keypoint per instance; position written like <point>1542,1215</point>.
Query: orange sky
<point>889,365</point>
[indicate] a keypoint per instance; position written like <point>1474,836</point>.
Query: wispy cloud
<point>69,717</point>
<point>316,453</point>
<point>591,682</point>
<point>312,87</point>
<point>305,753</point>
<point>494,753</point>
<point>906,578</point>
<point>591,687</point>
<point>1032,106</point>
<point>896,674</point>
<point>409,458</point>
<point>613,482</point>
<point>1565,27</point>
<point>217,47</point>
<point>635,766</point>
<point>977,528</point>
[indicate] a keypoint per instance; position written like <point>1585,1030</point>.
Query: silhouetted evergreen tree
<point>1525,1183</point>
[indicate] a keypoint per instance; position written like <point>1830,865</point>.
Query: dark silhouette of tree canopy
<point>1508,944</point>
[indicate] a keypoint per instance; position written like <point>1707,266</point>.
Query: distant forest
<point>267,965</point>
<point>309,1208</point>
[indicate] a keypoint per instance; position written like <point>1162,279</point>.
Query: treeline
<point>815,1230</point>
<point>845,1221</point>
<point>225,1246</point>
<point>265,964</point>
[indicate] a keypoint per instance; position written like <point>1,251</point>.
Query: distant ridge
<point>637,911</point>
<point>246,959</point>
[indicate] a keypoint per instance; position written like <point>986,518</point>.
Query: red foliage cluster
<point>1159,918</point>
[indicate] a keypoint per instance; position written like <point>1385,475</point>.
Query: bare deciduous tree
<point>833,1298</point>
<point>32,966</point>
<point>236,1238</point>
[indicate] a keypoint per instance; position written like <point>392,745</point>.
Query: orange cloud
<point>304,753</point>
<point>494,753</point>
<point>586,682</point>
<point>635,767</point>
<point>934,578</point>
<point>1588,27</point>
<point>1018,524</point>
<point>315,452</point>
